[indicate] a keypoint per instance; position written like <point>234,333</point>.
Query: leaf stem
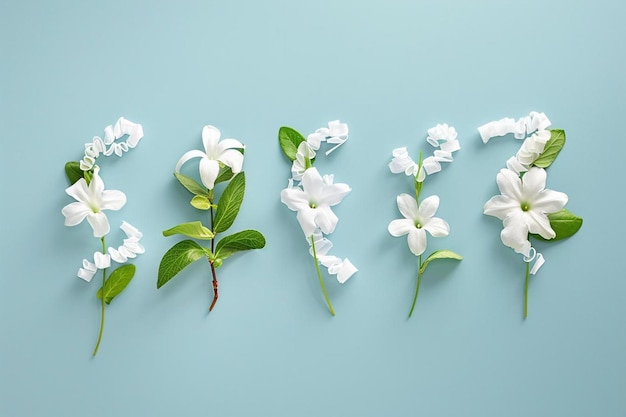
<point>526,290</point>
<point>215,292</point>
<point>95,351</point>
<point>319,276</point>
<point>417,287</point>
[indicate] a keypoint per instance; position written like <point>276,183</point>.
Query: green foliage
<point>73,171</point>
<point>116,283</point>
<point>229,203</point>
<point>192,185</point>
<point>224,174</point>
<point>289,140</point>
<point>177,258</point>
<point>200,202</point>
<point>552,149</point>
<point>240,241</point>
<point>564,223</point>
<point>439,254</point>
<point>192,229</point>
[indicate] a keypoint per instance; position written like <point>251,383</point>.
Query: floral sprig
<point>221,161</point>
<point>312,196</point>
<point>419,216</point>
<point>527,209</point>
<point>92,199</point>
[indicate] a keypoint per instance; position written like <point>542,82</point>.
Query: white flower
<point>91,200</point>
<point>299,164</point>
<point>131,246</point>
<point>417,221</point>
<point>523,207</point>
<point>215,151</point>
<point>313,201</point>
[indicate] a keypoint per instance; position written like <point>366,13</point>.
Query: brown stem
<point>215,293</point>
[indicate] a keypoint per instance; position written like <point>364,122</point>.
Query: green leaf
<point>200,202</point>
<point>439,254</point>
<point>552,149</point>
<point>73,171</point>
<point>117,281</point>
<point>564,223</point>
<point>177,258</point>
<point>229,203</point>
<point>191,185</point>
<point>289,140</point>
<point>191,229</point>
<point>224,174</point>
<point>240,241</point>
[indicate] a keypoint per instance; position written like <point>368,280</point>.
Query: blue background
<point>391,70</point>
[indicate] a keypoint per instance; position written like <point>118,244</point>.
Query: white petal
<point>312,183</point>
<point>99,223</point>
<point>417,241</point>
<point>79,190</point>
<point>294,198</point>
<point>500,206</point>
<point>540,224</point>
<point>85,274</point>
<point>209,169</point>
<point>187,156</point>
<point>549,201</point>
<point>130,230</point>
<point>437,227</point>
<point>101,260</point>
<point>306,218</point>
<point>346,271</point>
<point>336,128</point>
<point>400,227</point>
<point>533,182</point>
<point>407,206</point>
<point>112,200</point>
<point>515,233</point>
<point>509,184</point>
<point>431,165</point>
<point>210,138</point>
<point>75,213</point>
<point>333,194</point>
<point>226,144</point>
<point>325,219</point>
<point>232,158</point>
<point>428,207</point>
<point>117,256</point>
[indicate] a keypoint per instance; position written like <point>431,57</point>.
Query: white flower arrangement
<point>92,199</point>
<point>419,216</point>
<point>312,195</point>
<point>525,207</point>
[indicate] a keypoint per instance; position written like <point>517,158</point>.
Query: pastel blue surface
<point>391,70</point>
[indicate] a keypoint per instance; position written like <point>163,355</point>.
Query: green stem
<point>319,276</point>
<point>526,290</point>
<point>95,351</point>
<point>417,287</point>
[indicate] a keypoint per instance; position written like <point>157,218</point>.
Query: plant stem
<point>417,287</point>
<point>95,351</point>
<point>319,276</point>
<point>215,293</point>
<point>526,290</point>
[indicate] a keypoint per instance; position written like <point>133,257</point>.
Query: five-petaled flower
<point>418,220</point>
<point>313,201</point>
<point>91,200</point>
<point>523,207</point>
<point>215,151</point>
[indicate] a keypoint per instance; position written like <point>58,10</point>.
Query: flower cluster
<point>419,217</point>
<point>525,207</point>
<point>312,195</point>
<point>92,199</point>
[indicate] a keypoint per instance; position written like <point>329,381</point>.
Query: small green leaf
<point>564,223</point>
<point>73,171</point>
<point>229,203</point>
<point>224,174</point>
<point>191,185</point>
<point>289,140</point>
<point>117,281</point>
<point>200,202</point>
<point>440,254</point>
<point>552,149</point>
<point>177,258</point>
<point>240,241</point>
<point>191,229</point>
